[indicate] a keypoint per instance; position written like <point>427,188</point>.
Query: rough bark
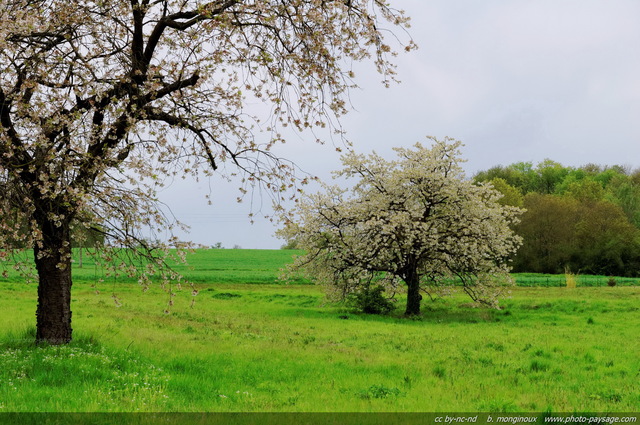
<point>412,279</point>
<point>53,264</point>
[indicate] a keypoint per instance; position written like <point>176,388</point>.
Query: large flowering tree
<point>101,99</point>
<point>414,220</point>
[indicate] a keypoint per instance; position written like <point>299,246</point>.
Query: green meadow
<point>251,344</point>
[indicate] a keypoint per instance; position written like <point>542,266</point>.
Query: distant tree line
<point>583,219</point>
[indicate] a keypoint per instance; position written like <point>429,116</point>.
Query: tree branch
<point>172,21</point>
<point>170,88</point>
<point>23,156</point>
<point>172,120</point>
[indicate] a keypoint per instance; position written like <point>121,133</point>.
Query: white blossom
<point>415,219</point>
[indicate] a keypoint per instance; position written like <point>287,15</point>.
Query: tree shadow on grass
<point>433,314</point>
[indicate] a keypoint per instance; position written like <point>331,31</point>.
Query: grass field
<point>250,345</point>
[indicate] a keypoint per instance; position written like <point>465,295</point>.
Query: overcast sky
<point>516,80</point>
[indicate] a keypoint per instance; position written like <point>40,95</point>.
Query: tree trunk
<point>53,263</point>
<point>412,279</point>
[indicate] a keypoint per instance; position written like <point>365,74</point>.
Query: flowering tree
<point>414,220</point>
<point>101,99</point>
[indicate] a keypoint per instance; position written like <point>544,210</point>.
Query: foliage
<point>414,220</point>
<point>584,218</point>
<point>290,244</point>
<point>371,299</point>
<point>510,195</point>
<point>546,229</point>
<point>100,102</point>
<point>594,237</point>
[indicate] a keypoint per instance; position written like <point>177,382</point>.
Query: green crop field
<point>248,344</point>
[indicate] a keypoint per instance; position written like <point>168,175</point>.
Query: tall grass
<point>282,348</point>
<point>570,279</point>
<point>83,375</point>
<point>267,347</point>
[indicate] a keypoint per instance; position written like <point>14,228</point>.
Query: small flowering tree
<point>415,221</point>
<point>100,100</point>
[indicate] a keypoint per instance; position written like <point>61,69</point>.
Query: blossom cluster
<point>415,220</point>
